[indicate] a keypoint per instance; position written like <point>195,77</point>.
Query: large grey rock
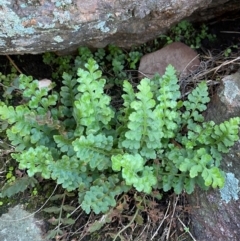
<point>215,214</point>
<point>183,58</point>
<point>19,225</point>
<point>51,25</point>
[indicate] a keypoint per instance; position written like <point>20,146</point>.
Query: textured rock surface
<point>14,226</point>
<point>50,25</point>
<point>183,58</point>
<point>218,215</point>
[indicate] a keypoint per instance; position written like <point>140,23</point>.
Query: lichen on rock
<point>230,189</point>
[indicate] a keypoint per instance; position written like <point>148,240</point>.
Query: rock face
<point>51,25</point>
<point>217,216</point>
<point>19,225</point>
<point>183,58</point>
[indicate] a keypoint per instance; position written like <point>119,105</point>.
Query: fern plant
<point>154,141</point>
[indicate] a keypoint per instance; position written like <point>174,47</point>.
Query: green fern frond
<point>167,106</point>
<point>101,197</point>
<point>64,144</point>
<point>226,134</point>
<point>134,172</point>
<point>143,132</point>
<point>35,160</point>
<point>94,150</point>
<point>92,108</point>
<point>68,172</point>
<point>196,103</point>
<point>68,90</point>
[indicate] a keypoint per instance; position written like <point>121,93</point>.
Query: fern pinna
<point>78,139</point>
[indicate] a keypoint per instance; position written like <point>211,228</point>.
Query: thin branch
<point>164,218</point>
<point>12,62</point>
<point>127,226</point>
<point>186,228</point>
<point>173,213</point>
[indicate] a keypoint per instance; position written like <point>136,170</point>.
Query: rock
<point>216,8</point>
<point>44,83</point>
<point>50,25</point>
<point>217,216</point>
<point>183,58</point>
<point>19,225</point>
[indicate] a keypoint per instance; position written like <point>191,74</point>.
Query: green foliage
<point>19,185</point>
<point>10,176</point>
<point>187,33</point>
<point>228,51</point>
<point>191,34</point>
<point>95,146</point>
<point>112,60</point>
<point>141,134</point>
<point>101,196</point>
<point>153,141</point>
<point>9,84</point>
<point>35,160</point>
<point>131,166</point>
<point>63,63</point>
<point>92,107</point>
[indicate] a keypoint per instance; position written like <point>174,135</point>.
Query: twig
<point>127,226</point>
<point>145,226</point>
<point>82,227</point>
<point>12,62</point>
<point>60,214</point>
<point>173,212</point>
<point>229,32</point>
<point>164,218</point>
<point>217,68</point>
<point>226,63</point>
<point>182,73</point>
<point>185,228</point>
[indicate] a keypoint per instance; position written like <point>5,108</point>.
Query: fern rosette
<point>154,140</point>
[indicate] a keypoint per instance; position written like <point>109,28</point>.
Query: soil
<point>227,31</point>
